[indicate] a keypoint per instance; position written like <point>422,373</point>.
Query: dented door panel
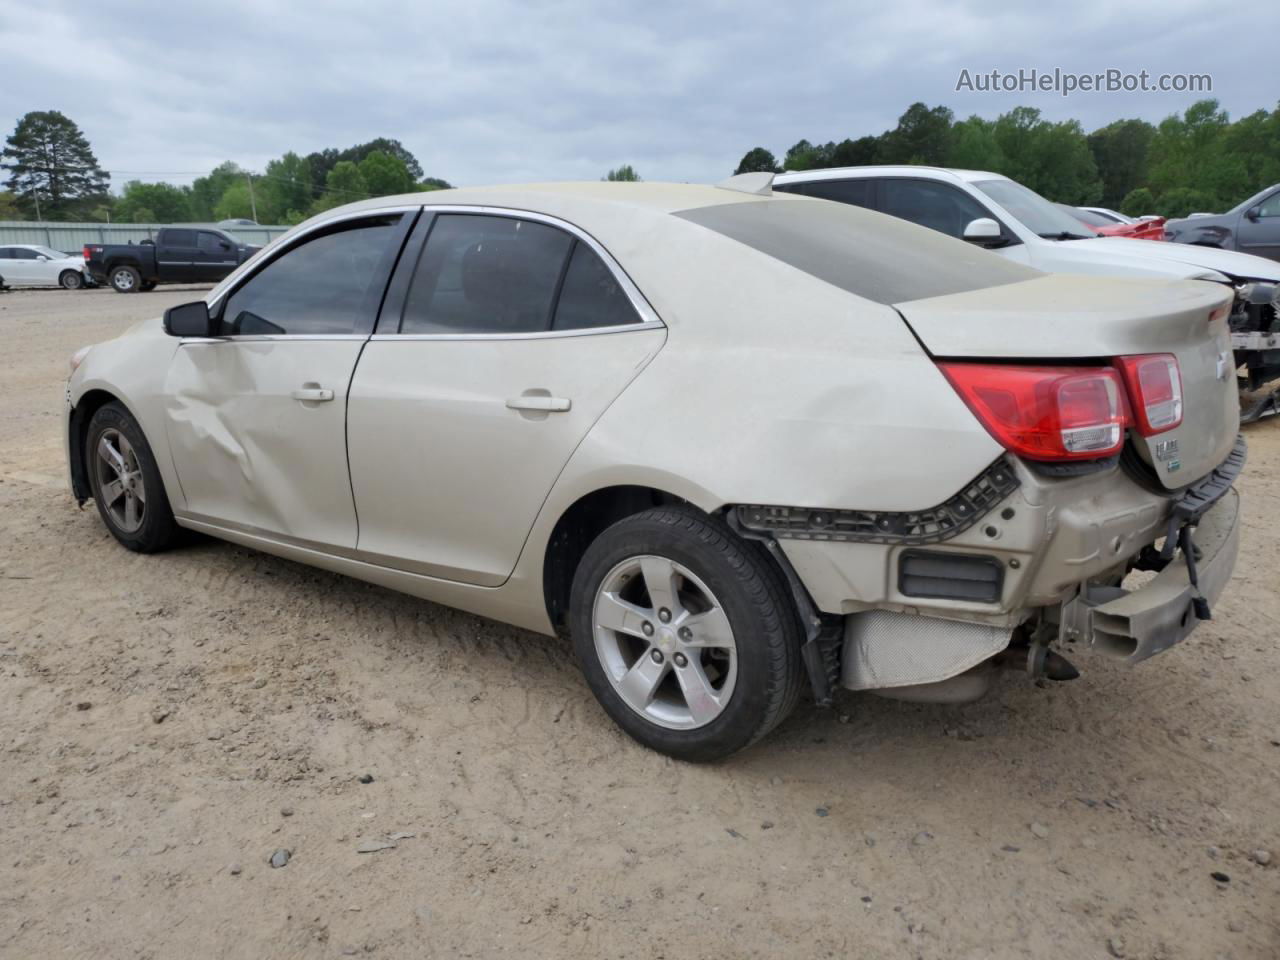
<point>253,446</point>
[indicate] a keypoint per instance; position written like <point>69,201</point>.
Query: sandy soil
<point>167,723</point>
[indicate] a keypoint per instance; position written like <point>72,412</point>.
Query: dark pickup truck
<point>177,255</point>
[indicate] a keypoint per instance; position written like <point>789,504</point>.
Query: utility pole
<point>35,192</point>
<point>252,203</point>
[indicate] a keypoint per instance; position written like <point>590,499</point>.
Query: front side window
<point>23,253</point>
<point>329,284</point>
<point>212,243</point>
<point>1270,207</point>
<point>485,274</point>
<point>937,206</point>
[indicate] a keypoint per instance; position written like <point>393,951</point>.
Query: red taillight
<point>1045,413</point>
<point>85,252</point>
<point>1155,391</point>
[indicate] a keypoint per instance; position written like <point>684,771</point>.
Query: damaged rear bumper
<point>1140,623</point>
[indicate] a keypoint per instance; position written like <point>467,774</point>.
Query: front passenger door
<point>1261,237</point>
<point>256,418</point>
<point>215,257</point>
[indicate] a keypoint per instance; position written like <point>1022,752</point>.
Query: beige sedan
<point>738,444</point>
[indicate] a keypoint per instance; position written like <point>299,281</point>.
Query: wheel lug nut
<point>647,629</point>
<point>655,656</point>
<point>664,615</point>
<point>686,634</point>
<point>681,660</point>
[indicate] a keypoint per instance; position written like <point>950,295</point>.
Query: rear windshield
<point>868,254</point>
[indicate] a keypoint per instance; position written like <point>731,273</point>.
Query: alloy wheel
<point>665,642</point>
<point>120,484</point>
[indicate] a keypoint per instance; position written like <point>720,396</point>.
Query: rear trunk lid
<point>1061,319</point>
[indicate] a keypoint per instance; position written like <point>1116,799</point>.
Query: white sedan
<point>737,444</point>
<point>32,265</point>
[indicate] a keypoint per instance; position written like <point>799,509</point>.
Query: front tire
<point>686,633</point>
<point>126,482</point>
<point>125,280</point>
<point>70,280</point>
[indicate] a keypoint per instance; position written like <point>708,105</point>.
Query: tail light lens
<point>1155,391</point>
<point>1045,413</point>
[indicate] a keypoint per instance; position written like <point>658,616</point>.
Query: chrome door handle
<point>312,394</point>
<point>539,403</point>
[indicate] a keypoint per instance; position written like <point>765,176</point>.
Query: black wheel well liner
<point>78,432</point>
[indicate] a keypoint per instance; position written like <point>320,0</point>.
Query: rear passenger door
<point>18,266</point>
<point>176,255</point>
<point>503,339</point>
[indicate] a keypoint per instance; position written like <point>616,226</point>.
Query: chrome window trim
<point>540,335</point>
<point>293,241</point>
<point>648,316</point>
<point>269,337</point>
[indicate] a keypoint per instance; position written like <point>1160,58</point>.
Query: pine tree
<point>52,170</point>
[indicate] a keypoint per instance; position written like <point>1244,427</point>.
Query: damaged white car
<point>737,444</point>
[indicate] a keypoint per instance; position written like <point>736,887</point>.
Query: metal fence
<point>70,237</point>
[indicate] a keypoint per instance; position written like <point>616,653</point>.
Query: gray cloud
<point>498,91</point>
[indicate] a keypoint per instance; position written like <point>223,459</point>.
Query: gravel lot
<point>168,723</point>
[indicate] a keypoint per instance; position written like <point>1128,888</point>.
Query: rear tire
<point>703,666</point>
<point>126,482</point>
<point>125,280</point>
<point>70,280</point>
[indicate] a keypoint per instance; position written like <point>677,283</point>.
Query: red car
<point>1139,230</point>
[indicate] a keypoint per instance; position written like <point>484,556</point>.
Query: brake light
<point>1155,391</point>
<point>85,252</point>
<point>1045,413</point>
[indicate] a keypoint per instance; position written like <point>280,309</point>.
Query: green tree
<point>803,155</point>
<point>385,175</point>
<point>624,173</point>
<point>923,135</point>
<point>433,183</point>
<point>856,153</point>
<point>1138,203</point>
<point>1121,152</point>
<point>285,186</point>
<point>1189,149</point>
<point>1051,158</point>
<point>51,167</point>
<point>758,160</point>
<point>153,203</point>
<point>235,202</point>
<point>974,146</point>
<point>1181,201</point>
<point>323,161</point>
<point>207,191</point>
<point>344,184</point>
<point>9,209</point>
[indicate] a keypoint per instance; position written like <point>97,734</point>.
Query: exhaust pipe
<point>1038,661</point>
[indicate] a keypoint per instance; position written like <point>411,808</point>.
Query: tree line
<point>1198,160</point>
<point>54,175</point>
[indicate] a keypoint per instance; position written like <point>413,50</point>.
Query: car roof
<point>898,170</point>
<point>641,195</point>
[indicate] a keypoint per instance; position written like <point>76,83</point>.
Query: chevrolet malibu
<point>738,445</point>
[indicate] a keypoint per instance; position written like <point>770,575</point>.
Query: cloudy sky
<point>487,91</point>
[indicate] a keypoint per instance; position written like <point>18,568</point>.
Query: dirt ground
<point>168,722</point>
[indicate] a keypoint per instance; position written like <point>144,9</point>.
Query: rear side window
<point>180,238</point>
<point>938,206</point>
<point>489,274</point>
<point>860,193</point>
<point>329,284</point>
<point>867,254</point>
<point>591,295</point>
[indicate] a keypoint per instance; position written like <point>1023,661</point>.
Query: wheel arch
<point>578,525</point>
<point>90,402</point>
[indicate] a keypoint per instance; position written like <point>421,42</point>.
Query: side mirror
<point>1253,213</point>
<point>189,320</point>
<point>984,230</point>
<point>41,257</point>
